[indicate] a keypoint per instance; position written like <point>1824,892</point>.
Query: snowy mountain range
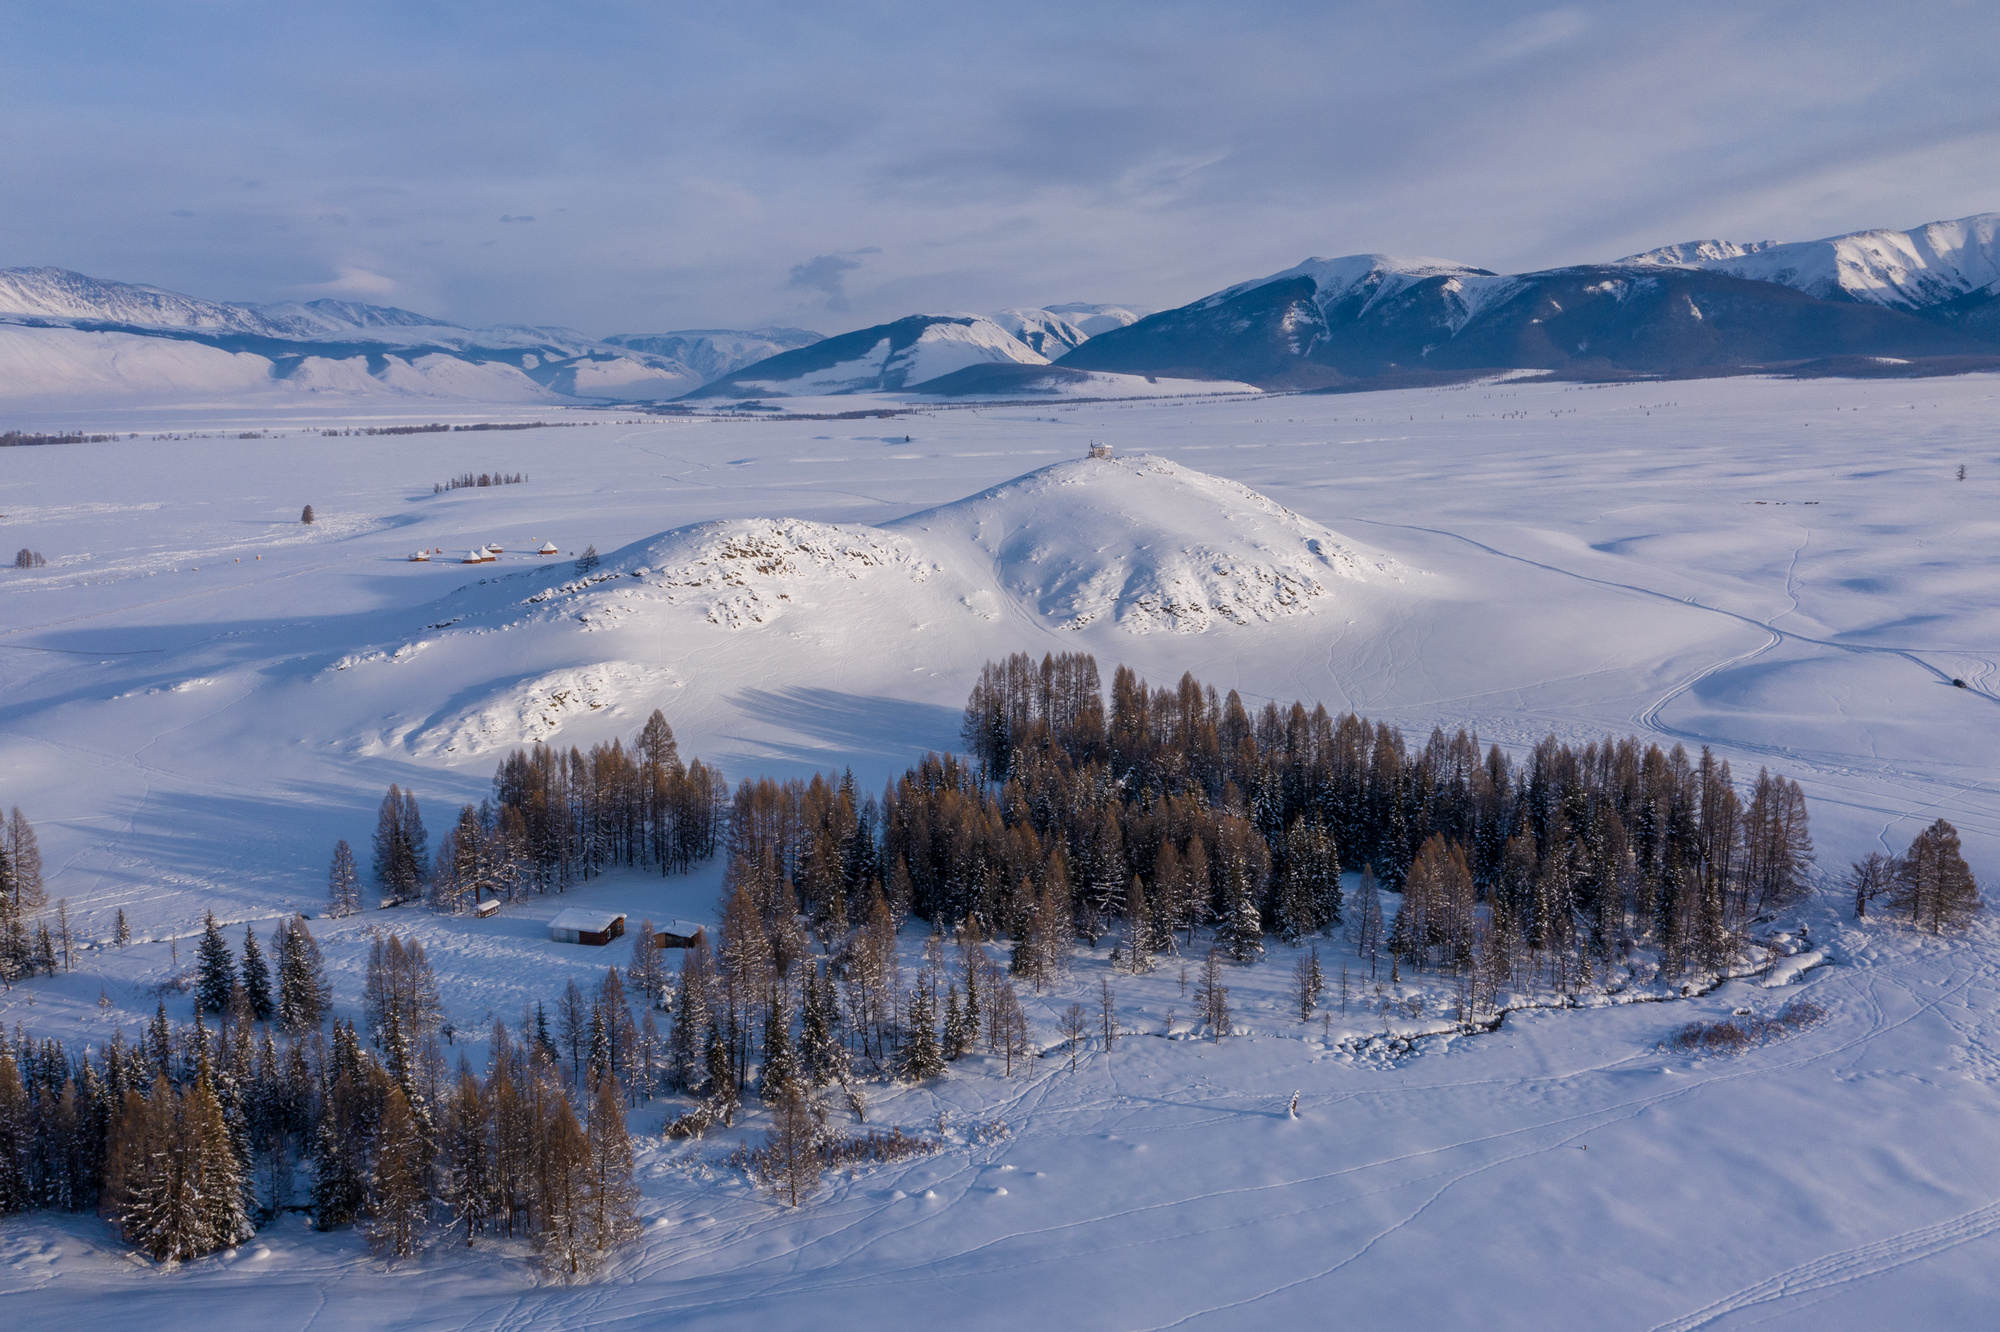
<point>64,332</point>
<point>1926,300</point>
<point>1927,295</point>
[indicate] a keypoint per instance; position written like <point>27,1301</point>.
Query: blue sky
<point>638,168</point>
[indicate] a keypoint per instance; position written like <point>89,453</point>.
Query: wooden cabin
<point>579,925</point>
<point>490,907</point>
<point>680,934</point>
<point>420,557</point>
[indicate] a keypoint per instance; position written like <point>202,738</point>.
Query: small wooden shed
<point>579,925</point>
<point>680,934</point>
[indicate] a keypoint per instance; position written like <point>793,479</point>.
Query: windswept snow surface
<point>1787,571</point>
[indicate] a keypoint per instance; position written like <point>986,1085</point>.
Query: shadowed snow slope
<point>887,357</point>
<point>1146,544</point>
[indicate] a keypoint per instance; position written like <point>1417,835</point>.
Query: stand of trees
<point>553,818</point>
<point>24,952</point>
<point>1550,866</point>
<point>191,1136</point>
<point>1930,884</point>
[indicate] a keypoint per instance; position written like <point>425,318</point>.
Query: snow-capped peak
<point>1908,270</point>
<point>1689,254</point>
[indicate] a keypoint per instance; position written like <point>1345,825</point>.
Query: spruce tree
<point>1138,929</point>
<point>919,1060</point>
<point>256,977</point>
<point>122,933</point>
<point>343,882</point>
<point>719,1083</point>
<point>1242,927</point>
<point>220,1188</point>
<point>780,1073</point>
<point>217,964</point>
<point>956,1042</point>
<point>304,995</point>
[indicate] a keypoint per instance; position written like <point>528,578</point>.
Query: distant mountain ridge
<point>1929,295</point>
<point>885,358</point>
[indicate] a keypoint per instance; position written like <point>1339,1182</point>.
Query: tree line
<point>190,1136</point>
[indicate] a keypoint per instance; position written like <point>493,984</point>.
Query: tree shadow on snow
<point>859,726</point>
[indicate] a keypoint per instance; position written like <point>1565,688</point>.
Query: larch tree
<point>790,1163</point>
<point>1934,886</point>
<point>1211,996</point>
<point>611,1195</point>
<point>398,1198</point>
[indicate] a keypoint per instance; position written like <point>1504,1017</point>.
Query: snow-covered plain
<point>200,694</point>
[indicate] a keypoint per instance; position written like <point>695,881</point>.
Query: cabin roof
<point>583,918</point>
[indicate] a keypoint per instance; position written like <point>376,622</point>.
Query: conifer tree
<point>397,1199</point>
<point>1242,928</point>
<point>221,1189</point>
<point>1934,886</point>
<point>1307,983</point>
<point>820,1047</point>
<point>781,1066</point>
<point>1138,929</point>
<point>1211,996</point>
<point>343,882</point>
<point>918,1060</point>
<point>1365,928</point>
<point>790,1163</point>
<point>686,1050</point>
<point>24,865</point>
<point>217,976</point>
<point>304,995</point>
<point>121,933</point>
<point>16,1136</point>
<point>467,1183</point>
<point>647,972</point>
<point>720,1077</point>
<point>956,1042</point>
<point>256,977</point>
<point>562,1193</point>
<point>611,1196</point>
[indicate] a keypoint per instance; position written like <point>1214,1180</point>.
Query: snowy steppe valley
<point>202,695</point>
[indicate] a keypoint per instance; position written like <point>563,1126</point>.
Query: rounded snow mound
<point>737,572</point>
<point>1149,545</point>
<point>535,709</point>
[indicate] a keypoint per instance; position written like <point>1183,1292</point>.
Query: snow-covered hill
<point>885,358</point>
<point>1145,544</point>
<point>1913,270</point>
